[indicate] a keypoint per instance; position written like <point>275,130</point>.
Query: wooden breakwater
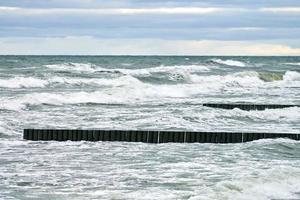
<point>244,106</point>
<point>149,136</point>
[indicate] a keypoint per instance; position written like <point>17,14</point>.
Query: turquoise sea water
<point>147,92</point>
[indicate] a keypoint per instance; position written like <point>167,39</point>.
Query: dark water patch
<point>269,77</point>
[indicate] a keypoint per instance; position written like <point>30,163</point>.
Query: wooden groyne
<point>244,106</point>
<point>150,136</point>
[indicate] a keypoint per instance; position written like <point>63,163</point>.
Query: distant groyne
<point>244,106</point>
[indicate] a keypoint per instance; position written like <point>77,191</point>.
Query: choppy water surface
<point>147,93</point>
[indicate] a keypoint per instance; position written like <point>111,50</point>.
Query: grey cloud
<point>241,20</point>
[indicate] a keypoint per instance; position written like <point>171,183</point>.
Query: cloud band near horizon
<point>178,27</point>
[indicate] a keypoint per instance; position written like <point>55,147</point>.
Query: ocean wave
<point>284,114</point>
<point>130,90</point>
<point>30,82</point>
<point>127,90</point>
<point>180,79</point>
<point>229,62</point>
<point>291,76</point>
<point>22,82</point>
<point>270,76</point>
<point>119,81</point>
<point>128,94</point>
<point>88,67</point>
<point>82,67</point>
<point>7,130</point>
<point>279,182</point>
<point>297,63</point>
<point>246,79</point>
<point>243,79</point>
<point>185,68</point>
<point>249,79</point>
<point>164,69</point>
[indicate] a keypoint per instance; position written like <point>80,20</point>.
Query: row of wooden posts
<point>150,136</point>
<point>156,136</point>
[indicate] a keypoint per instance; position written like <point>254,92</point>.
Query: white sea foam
<point>164,69</point>
<point>242,79</point>
<point>250,79</point>
<point>186,68</point>
<point>22,82</point>
<point>128,89</point>
<point>2,129</point>
<point>119,81</point>
<point>230,62</point>
<point>283,115</point>
<point>84,67</point>
<point>132,92</point>
<point>30,82</point>
<point>88,67</point>
<point>282,182</point>
<point>297,63</point>
<point>126,64</point>
<point>291,76</point>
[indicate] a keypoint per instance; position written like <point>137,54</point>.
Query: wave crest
<point>22,82</point>
<point>83,67</point>
<point>230,62</point>
<point>246,78</point>
<point>88,67</point>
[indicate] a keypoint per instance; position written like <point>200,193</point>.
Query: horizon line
<point>162,55</point>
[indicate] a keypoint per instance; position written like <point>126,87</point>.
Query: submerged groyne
<point>150,136</point>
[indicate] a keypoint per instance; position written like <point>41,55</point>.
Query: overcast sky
<point>156,27</point>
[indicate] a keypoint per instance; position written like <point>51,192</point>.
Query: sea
<point>148,93</point>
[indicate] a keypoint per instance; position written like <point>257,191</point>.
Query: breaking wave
<point>296,64</point>
<point>291,76</point>
<point>270,77</point>
<point>29,82</point>
<point>128,89</point>
<point>82,67</point>
<point>230,62</point>
<point>23,82</point>
<point>88,67</point>
<point>284,114</point>
<point>246,78</point>
<point>129,94</point>
<point>249,78</point>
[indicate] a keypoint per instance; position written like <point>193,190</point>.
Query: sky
<point>144,27</point>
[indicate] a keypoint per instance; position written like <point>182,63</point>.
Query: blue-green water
<point>147,92</point>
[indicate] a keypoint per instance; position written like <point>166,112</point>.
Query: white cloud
<point>110,11</point>
<point>93,46</point>
<point>143,11</point>
<point>291,10</point>
<point>140,11</point>
<point>245,29</point>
